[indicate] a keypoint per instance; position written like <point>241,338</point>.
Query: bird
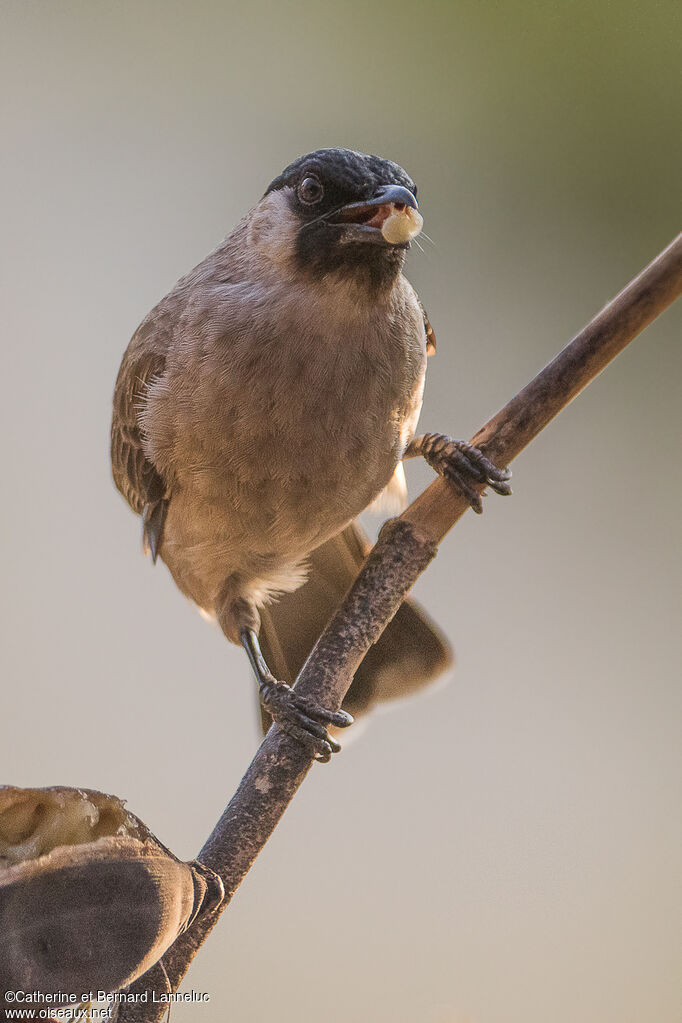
<point>268,400</point>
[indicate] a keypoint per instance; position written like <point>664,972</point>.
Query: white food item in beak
<point>402,226</point>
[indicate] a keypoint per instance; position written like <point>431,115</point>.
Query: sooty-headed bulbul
<point>268,400</point>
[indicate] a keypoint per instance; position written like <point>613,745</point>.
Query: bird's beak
<point>392,212</point>
<point>397,195</point>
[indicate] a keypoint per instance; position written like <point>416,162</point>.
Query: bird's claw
<point>465,466</point>
<point>303,719</point>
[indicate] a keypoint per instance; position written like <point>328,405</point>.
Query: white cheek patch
<point>402,226</point>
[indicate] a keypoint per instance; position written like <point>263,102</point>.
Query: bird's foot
<point>464,466</point>
<point>303,719</point>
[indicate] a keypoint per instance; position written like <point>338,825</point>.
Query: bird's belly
<point>261,483</point>
<point>289,494</point>
<point>258,516</point>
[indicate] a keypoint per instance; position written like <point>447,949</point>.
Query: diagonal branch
<point>404,549</point>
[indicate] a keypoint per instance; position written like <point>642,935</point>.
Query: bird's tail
<point>410,653</point>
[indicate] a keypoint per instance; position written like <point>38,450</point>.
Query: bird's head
<point>347,213</point>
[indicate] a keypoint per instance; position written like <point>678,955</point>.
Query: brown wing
<point>134,475</point>
<point>430,335</point>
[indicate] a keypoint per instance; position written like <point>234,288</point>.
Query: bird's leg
<point>461,464</point>
<point>298,716</point>
<point>301,718</point>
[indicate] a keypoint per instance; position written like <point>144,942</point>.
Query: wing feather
<point>135,476</point>
<point>430,335</point>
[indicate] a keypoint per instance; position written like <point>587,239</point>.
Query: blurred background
<point>504,849</point>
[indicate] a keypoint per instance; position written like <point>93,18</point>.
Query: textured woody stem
<point>404,549</point>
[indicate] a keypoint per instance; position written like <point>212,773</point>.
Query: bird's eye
<point>310,190</point>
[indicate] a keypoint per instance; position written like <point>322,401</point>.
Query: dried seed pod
<point>89,898</point>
